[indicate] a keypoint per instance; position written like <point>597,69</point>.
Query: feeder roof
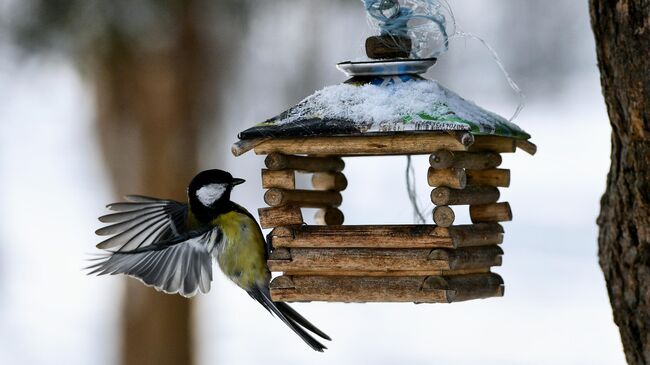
<point>392,104</point>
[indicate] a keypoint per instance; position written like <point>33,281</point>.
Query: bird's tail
<point>291,318</point>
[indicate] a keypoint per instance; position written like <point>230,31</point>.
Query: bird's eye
<point>210,193</point>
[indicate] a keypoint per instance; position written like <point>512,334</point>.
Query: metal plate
<point>386,67</point>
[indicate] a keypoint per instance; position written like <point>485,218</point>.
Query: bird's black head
<point>209,191</point>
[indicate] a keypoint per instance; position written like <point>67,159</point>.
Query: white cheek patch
<point>208,194</point>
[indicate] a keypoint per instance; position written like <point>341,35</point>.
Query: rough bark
<point>146,110</point>
<point>622,30</point>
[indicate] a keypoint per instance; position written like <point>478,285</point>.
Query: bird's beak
<point>237,181</point>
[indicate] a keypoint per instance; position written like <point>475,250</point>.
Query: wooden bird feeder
<point>440,262</point>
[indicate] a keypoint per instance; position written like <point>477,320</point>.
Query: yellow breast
<point>242,251</point>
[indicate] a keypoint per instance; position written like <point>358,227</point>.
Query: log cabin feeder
<point>385,108</point>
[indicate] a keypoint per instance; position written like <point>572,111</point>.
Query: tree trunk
<point>622,30</point>
<point>146,109</point>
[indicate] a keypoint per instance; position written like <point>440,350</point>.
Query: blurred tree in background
<point>154,66</point>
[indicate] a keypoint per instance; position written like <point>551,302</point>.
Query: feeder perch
<point>431,263</point>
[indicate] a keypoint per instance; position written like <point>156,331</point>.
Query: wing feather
<point>145,237</point>
<point>122,239</point>
<point>182,266</point>
<point>152,270</point>
<point>126,225</point>
<point>125,216</point>
<point>129,207</point>
<point>190,278</point>
<point>134,198</point>
<point>140,222</point>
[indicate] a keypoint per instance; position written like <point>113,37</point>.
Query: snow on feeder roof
<point>384,104</point>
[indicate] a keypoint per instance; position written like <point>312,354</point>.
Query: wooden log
<point>492,177</point>
<point>302,198</point>
<point>465,138</point>
<point>354,289</point>
<point>478,293</point>
<point>418,289</point>
<point>489,213</point>
<point>390,272</point>
<point>394,236</point>
<point>480,234</point>
<point>278,161</point>
<point>334,181</point>
<point>315,260</point>
<point>443,216</point>
<point>282,282</point>
<point>281,179</point>
<point>329,216</point>
<point>281,253</point>
<point>394,144</point>
<point>280,216</point>
<point>400,236</point>
<point>388,46</point>
<point>467,287</point>
<point>527,146</point>
<point>472,195</point>
<point>468,258</point>
<point>453,178</point>
<point>494,144</point>
<point>245,145</point>
<point>444,159</point>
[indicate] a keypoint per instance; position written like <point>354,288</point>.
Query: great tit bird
<point>171,245</point>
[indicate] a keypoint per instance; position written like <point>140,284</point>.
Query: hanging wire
<point>495,56</point>
<point>418,216</point>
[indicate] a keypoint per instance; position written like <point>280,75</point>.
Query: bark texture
<point>622,30</point>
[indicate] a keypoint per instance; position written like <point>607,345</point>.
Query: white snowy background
<point>555,311</point>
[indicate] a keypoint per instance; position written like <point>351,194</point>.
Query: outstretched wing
<point>140,222</point>
<point>182,265</point>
